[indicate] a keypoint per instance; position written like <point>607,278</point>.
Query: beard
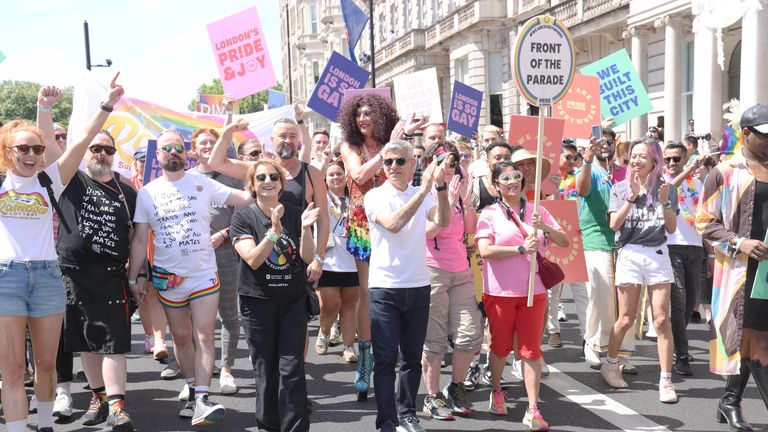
<point>172,164</point>
<point>286,152</point>
<point>605,156</point>
<point>97,168</point>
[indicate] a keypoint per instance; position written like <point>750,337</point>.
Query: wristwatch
<point>521,250</point>
<point>301,121</point>
<point>441,188</point>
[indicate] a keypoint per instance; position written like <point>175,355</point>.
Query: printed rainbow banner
<point>732,140</point>
<point>134,121</point>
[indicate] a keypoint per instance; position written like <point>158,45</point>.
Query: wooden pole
<point>536,199</point>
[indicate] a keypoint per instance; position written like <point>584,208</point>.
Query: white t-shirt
<point>26,217</point>
<point>686,234</point>
<point>337,258</point>
<point>179,213</point>
<point>398,260</point>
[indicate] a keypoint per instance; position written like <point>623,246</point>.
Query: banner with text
<point>464,111</point>
<point>622,94</point>
<point>571,258</point>
<point>241,54</point>
<point>339,75</point>
<point>152,168</point>
<point>580,107</point>
<point>418,93</point>
<point>211,104</point>
<point>523,131</point>
<point>384,92</point>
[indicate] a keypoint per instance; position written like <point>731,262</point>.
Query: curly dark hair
<point>383,113</point>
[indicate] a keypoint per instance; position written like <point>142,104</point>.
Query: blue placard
<point>276,99</point>
<point>464,112</point>
<point>340,74</point>
<point>152,168</point>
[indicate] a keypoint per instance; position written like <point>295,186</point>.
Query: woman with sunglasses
<point>31,286</point>
<point>643,211</point>
<point>367,123</point>
<point>272,242</point>
<point>338,286</point>
<point>505,239</point>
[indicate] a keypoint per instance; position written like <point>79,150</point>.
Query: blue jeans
<point>31,289</point>
<point>399,318</point>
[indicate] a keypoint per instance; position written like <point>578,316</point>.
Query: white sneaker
<point>667,392</point>
<point>227,383</point>
<point>349,354</point>
<point>517,369</point>
<point>544,370</point>
<point>321,345</point>
<point>561,313</point>
<point>62,407</point>
<point>33,404</point>
<point>335,337</point>
<point>184,393</point>
<point>591,357</point>
<point>651,332</point>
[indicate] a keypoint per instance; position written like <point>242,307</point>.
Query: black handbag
<point>313,302</point>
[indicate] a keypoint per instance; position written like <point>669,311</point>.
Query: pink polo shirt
<point>447,251</point>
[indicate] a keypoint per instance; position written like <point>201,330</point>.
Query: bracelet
<point>667,206</point>
<point>586,162</point>
<point>631,201</point>
<point>131,281</point>
<point>106,108</point>
<point>711,256</point>
<point>521,250</point>
<point>271,237</point>
<point>43,110</point>
<point>141,275</point>
<point>441,188</point>
<point>318,259</point>
<point>738,244</point>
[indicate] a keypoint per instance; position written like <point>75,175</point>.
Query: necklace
<point>688,189</point>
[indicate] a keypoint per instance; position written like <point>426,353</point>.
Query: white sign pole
<point>536,201</point>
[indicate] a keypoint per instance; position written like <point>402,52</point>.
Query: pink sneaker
<point>149,343</point>
<point>498,403</point>
<point>534,420</point>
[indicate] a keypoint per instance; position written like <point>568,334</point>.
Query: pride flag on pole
<point>732,140</point>
<point>355,20</point>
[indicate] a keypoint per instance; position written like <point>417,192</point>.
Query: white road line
<point>599,404</point>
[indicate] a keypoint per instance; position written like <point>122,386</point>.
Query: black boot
<point>761,378</point>
<point>729,407</point>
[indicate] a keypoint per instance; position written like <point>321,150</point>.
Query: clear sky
<point>161,47</point>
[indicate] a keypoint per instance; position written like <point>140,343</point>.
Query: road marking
<point>600,404</point>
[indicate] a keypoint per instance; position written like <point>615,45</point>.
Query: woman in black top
<point>275,245</point>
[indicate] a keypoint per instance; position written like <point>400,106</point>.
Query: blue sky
<point>161,47</point>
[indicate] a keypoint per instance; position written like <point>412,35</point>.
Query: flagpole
<point>288,37</point>
<point>373,53</point>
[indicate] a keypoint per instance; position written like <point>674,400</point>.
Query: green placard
<point>2,56</point>
<point>622,94</point>
<point>760,286</point>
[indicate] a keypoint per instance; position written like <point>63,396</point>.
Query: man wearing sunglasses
<point>250,150</point>
<point>93,258</point>
<point>399,278</point>
<point>177,207</point>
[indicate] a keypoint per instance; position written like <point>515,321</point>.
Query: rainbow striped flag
<point>732,140</point>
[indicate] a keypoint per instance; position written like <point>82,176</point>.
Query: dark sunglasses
<point>400,161</point>
<point>24,149</point>
<point>255,153</point>
<point>179,148</point>
<point>61,136</point>
<point>676,159</point>
<point>96,149</point>
<point>263,177</point>
<point>141,160</point>
<point>572,158</point>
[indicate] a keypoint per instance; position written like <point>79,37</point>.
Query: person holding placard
<point>733,217</point>
<point>642,211</point>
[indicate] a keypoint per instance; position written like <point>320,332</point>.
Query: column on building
<point>672,78</point>
<point>754,58</point>
<point>639,125</point>
<point>707,87</point>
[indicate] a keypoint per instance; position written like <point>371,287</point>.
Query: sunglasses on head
<point>676,159</point>
<point>60,136</point>
<point>509,178</point>
<point>399,161</point>
<point>255,153</point>
<point>272,176</point>
<point>96,149</point>
<point>24,149</point>
<point>179,148</point>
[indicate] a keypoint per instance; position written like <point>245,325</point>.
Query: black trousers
<point>686,264</point>
<point>275,332</point>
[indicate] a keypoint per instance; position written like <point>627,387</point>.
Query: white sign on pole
<point>418,93</point>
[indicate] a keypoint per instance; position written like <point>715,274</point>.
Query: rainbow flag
<point>732,140</point>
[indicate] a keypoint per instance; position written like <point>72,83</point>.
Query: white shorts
<point>192,288</point>
<point>644,265</point>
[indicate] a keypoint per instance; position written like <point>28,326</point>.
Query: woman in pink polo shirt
<point>505,242</point>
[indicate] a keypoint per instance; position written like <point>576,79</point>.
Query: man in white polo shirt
<point>399,280</point>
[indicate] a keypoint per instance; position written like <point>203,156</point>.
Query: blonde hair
<point>7,139</point>
<point>250,179</point>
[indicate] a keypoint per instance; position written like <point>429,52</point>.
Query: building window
<point>316,71</point>
<point>435,10</point>
<point>734,73</point>
<point>313,17</point>
<point>406,16</point>
<point>495,72</point>
<point>461,70</point>
<point>687,86</point>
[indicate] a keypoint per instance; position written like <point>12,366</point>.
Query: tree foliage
<point>18,100</point>
<point>248,104</point>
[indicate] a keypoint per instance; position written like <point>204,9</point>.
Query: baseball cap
<point>140,153</point>
<point>756,117</point>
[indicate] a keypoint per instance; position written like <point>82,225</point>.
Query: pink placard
<point>384,92</point>
<point>241,54</point>
<point>523,132</point>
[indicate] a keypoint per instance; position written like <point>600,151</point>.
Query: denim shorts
<point>31,288</point>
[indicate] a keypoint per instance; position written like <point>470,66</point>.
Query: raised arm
<point>359,172</point>
<point>47,97</point>
<point>691,167</point>
<point>69,162</point>
<point>229,103</point>
<point>584,176</point>
<point>305,154</point>
<point>218,159</point>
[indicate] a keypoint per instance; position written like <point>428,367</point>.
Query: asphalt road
<point>574,397</point>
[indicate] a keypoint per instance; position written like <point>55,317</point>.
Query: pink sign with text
<point>241,53</point>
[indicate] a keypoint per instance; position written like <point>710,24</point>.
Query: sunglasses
<point>572,158</point>
<point>272,177</point>
<point>25,149</point>
<point>506,179</point>
<point>141,160</point>
<point>400,161</point>
<point>255,153</point>
<point>466,156</point>
<point>60,136</point>
<point>179,148</point>
<point>676,159</point>
<point>96,149</point>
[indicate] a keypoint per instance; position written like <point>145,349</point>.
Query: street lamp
<point>88,64</point>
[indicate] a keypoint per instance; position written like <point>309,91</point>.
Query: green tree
<point>18,100</point>
<point>248,104</point>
